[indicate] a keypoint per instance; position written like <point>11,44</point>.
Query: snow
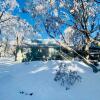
<point>37,77</point>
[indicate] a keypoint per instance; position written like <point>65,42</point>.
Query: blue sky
<point>23,15</point>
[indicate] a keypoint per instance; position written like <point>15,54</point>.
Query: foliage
<point>56,57</point>
<point>15,27</point>
<point>67,77</point>
<point>12,28</point>
<point>34,54</point>
<point>79,15</point>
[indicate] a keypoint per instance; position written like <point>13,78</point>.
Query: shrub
<point>66,77</point>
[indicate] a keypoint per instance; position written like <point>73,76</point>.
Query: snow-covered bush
<point>67,77</point>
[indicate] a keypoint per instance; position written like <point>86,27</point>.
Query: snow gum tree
<point>16,30</point>
<point>82,16</point>
<point>5,7</point>
<point>13,28</point>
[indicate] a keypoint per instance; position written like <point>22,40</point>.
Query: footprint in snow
<point>22,92</point>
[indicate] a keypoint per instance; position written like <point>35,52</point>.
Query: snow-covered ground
<point>38,78</point>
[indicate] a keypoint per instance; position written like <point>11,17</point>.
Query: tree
<point>81,15</point>
<point>16,29</point>
<point>6,6</point>
<point>12,27</point>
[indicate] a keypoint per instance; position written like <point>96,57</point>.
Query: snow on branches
<point>36,7</point>
<point>8,5</point>
<point>15,27</point>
